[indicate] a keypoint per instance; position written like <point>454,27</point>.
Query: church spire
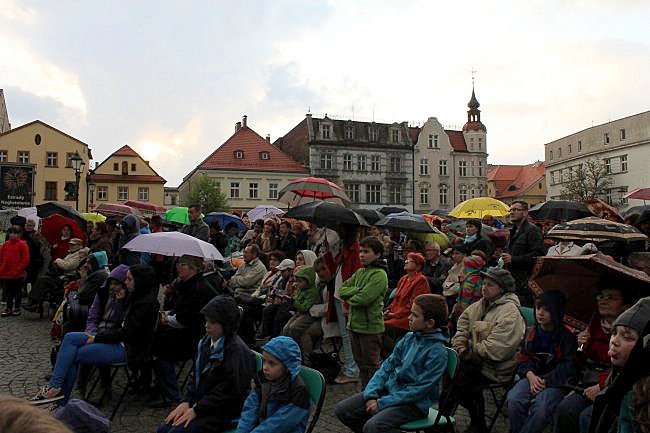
<point>473,114</point>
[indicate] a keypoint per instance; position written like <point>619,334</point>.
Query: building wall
<point>244,178</point>
<point>4,117</point>
<point>51,140</point>
<point>628,154</point>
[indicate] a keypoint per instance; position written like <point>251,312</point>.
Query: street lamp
<point>90,191</point>
<point>77,165</point>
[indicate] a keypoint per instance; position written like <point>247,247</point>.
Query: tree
<point>589,181</point>
<point>206,193</point>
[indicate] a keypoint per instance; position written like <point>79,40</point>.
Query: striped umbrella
<point>594,229</point>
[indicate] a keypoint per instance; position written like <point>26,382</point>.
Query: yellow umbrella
<point>93,217</point>
<point>479,207</point>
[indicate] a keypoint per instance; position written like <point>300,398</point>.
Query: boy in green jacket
<point>304,298</point>
<point>364,292</point>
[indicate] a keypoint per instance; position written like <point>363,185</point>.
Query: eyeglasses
<point>607,297</point>
<point>516,209</point>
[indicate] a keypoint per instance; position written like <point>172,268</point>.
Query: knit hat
<point>223,309</point>
<point>502,277</point>
<point>635,317</point>
<point>474,222</point>
<point>417,258</point>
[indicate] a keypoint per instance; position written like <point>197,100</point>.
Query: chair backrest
<point>259,361</point>
<point>528,314</point>
<point>450,395</point>
<point>452,363</point>
<point>315,383</point>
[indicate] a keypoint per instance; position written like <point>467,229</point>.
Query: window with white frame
<point>352,191</point>
<point>326,160</point>
<point>373,134</point>
<point>239,154</point>
<point>23,157</point>
<point>347,162</point>
<point>373,193</point>
<point>424,167</point>
<point>122,193</point>
<point>442,167</point>
<point>375,163</point>
<point>361,163</point>
<point>623,162</point>
<point>395,194</point>
<point>234,189</point>
<point>51,159</point>
<point>273,190</point>
<point>443,194</point>
<point>433,141</point>
<point>608,165</point>
<point>424,195</point>
<point>462,168</point>
<point>102,193</point>
<point>4,156</point>
<point>394,134</point>
<point>462,193</point>
<point>253,190</point>
<point>395,164</point>
<point>326,131</point>
<point>349,132</point>
<point>143,193</point>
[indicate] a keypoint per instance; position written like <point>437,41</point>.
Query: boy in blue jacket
<point>545,364</point>
<point>279,400</point>
<point>407,383</point>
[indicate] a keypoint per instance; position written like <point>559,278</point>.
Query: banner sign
<point>16,186</point>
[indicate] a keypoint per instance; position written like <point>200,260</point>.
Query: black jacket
<point>191,296</point>
<point>524,245</point>
<point>288,245</point>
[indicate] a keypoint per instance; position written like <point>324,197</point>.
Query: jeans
<point>573,414</point>
<point>167,380</point>
<point>352,413</point>
<point>350,368</point>
<point>74,351</point>
<point>528,413</point>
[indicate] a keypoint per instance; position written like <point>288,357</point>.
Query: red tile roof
<point>125,151</point>
<point>253,146</point>
<point>130,178</point>
<point>457,140</point>
<point>512,180</point>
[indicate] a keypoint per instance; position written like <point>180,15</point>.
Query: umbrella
<point>179,215</point>
<point>478,207</point>
<point>392,209</point>
<point>223,218</point>
<point>93,217</point>
<point>371,215</point>
<point>52,208</point>
<point>406,221</point>
<point>631,211</point>
<point>146,206</point>
<point>559,210</point>
<point>308,189</point>
<point>440,212</point>
<point>603,210</point>
<point>326,214</point>
<point>116,209</point>
<point>263,210</point>
<point>639,194</point>
<point>29,213</point>
<point>594,229</point>
<point>580,278</point>
<point>174,244</point>
<point>51,228</point>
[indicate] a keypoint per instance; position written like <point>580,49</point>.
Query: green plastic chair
<point>315,383</point>
<point>442,420</point>
<point>528,314</point>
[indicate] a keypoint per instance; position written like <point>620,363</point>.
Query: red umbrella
<point>51,228</point>
<point>115,209</point>
<point>639,194</point>
<point>308,189</point>
<point>145,206</point>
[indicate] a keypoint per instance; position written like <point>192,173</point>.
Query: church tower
<point>474,130</point>
<point>4,118</point>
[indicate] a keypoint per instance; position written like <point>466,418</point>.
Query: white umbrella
<point>30,214</point>
<point>174,244</point>
<point>259,212</point>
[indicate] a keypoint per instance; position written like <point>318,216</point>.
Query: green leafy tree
<point>590,180</point>
<point>206,193</point>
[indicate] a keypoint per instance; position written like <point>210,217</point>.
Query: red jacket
<point>407,290</point>
<point>14,258</point>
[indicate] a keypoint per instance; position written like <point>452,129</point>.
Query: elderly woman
<point>489,333</point>
<point>181,325</point>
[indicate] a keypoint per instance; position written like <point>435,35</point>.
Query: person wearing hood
<point>130,342</point>
<point>222,375</point>
<point>129,229</point>
<point>14,259</point>
<point>364,292</point>
<point>546,362</point>
<point>408,382</point>
<point>279,400</point>
<point>488,336</point>
<point>306,296</point>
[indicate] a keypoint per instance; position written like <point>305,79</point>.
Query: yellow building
<point>123,176</point>
<point>248,169</point>
<point>49,151</point>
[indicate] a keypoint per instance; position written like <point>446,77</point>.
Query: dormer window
<point>349,132</point>
<point>326,131</point>
<point>372,133</point>
<point>265,156</point>
<point>239,154</point>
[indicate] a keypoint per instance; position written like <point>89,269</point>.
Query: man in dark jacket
<point>524,245</point>
<point>435,267</point>
<point>288,242</point>
<point>197,228</point>
<point>223,373</point>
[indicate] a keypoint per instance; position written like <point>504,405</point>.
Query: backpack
<point>82,417</point>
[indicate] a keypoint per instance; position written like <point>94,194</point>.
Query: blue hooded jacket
<point>288,403</point>
<point>412,373</point>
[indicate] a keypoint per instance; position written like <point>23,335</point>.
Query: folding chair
<point>441,419</point>
<point>315,383</point>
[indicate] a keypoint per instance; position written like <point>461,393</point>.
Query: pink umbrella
<point>639,194</point>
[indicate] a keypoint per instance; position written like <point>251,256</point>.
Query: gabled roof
<point>253,146</point>
<point>457,140</point>
<point>126,150</point>
<point>40,122</point>
<point>512,180</point>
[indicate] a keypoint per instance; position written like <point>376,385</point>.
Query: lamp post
<point>77,165</point>
<point>90,191</point>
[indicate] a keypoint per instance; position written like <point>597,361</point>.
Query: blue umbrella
<point>223,218</point>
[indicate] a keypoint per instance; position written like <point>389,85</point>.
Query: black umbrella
<point>371,215</point>
<point>52,208</point>
<point>392,209</point>
<point>636,210</point>
<point>594,229</point>
<point>559,210</point>
<point>406,221</point>
<point>326,214</point>
<point>440,213</point>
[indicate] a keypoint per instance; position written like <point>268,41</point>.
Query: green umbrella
<point>178,215</point>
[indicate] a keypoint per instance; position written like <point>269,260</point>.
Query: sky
<point>171,78</point>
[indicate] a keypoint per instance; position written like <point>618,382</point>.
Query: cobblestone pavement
<point>24,361</point>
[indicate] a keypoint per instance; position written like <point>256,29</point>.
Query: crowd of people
<point>390,304</point>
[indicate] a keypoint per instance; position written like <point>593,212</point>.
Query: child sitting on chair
<point>407,383</point>
<point>279,400</point>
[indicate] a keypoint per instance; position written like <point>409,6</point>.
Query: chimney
<point>237,126</point>
<point>243,121</point>
<point>268,137</point>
